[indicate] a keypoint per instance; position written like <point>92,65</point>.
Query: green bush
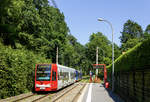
<point>17,70</point>
<point>136,58</point>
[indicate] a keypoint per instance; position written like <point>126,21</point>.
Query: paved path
<point>95,92</point>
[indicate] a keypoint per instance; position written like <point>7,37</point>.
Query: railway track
<point>60,96</point>
<point>29,97</point>
<point>23,98</point>
<point>70,95</point>
<point>78,94</point>
<point>33,98</point>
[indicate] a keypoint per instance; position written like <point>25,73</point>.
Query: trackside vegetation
<point>32,30</point>
<point>16,70</point>
<point>132,73</point>
<point>137,57</point>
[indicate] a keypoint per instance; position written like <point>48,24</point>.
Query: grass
<point>85,79</point>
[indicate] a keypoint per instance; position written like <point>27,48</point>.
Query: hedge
<point>17,70</point>
<point>136,58</point>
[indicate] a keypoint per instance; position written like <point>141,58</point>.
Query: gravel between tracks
<point>14,98</point>
<point>71,95</point>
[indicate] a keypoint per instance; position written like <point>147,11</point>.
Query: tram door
<point>54,77</point>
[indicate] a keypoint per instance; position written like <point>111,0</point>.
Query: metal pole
<point>96,60</point>
<point>113,78</point>
<point>57,55</point>
<point>100,19</point>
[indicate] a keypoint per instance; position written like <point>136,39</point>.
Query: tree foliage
<point>130,44</point>
<point>17,70</point>
<point>134,59</point>
<point>131,30</point>
<point>34,24</point>
<point>132,34</point>
<point>147,30</point>
<point>105,49</point>
<point>30,32</point>
<point>74,55</point>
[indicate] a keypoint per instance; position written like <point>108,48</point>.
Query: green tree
<point>147,30</point>
<point>131,30</point>
<point>117,51</point>
<point>130,44</point>
<point>72,39</point>
<point>99,40</point>
<point>34,25</point>
<point>9,19</point>
<point>132,34</point>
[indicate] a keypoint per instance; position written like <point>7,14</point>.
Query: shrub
<point>136,58</point>
<point>17,70</point>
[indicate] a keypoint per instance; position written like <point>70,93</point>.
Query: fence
<point>133,86</point>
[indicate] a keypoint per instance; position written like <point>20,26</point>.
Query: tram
<point>52,77</point>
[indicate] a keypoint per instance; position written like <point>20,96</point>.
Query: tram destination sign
<point>98,66</point>
<point>43,66</point>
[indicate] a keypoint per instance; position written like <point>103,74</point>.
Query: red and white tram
<point>52,77</point>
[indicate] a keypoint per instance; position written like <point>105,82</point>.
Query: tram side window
<point>58,75</point>
<point>72,75</point>
<point>54,76</point>
<point>61,75</point>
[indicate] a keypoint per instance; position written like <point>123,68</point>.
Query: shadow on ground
<point>113,95</point>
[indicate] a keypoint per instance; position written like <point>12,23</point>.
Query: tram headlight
<point>37,85</point>
<point>47,85</point>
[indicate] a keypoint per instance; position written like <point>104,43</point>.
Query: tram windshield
<point>43,72</point>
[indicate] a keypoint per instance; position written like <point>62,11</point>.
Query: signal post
<point>101,66</point>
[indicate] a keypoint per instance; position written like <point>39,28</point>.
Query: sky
<point>81,16</point>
